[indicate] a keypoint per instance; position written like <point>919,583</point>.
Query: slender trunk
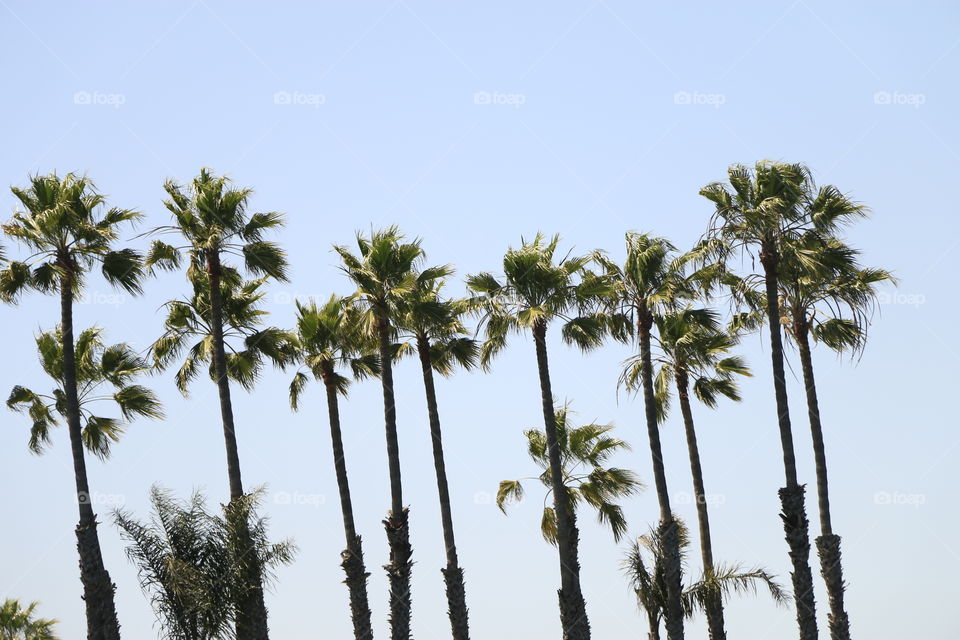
<point>653,620</point>
<point>452,574</point>
<point>573,610</point>
<point>793,513</point>
<point>352,556</point>
<point>98,589</point>
<point>397,522</point>
<point>251,621</point>
<point>828,544</point>
<point>714,606</point>
<point>673,616</point>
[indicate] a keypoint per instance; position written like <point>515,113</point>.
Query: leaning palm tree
<point>645,567</point>
<point>694,351</point>
<point>212,218</point>
<point>66,225</point>
<point>648,282</point>
<point>537,290</point>
<point>331,336</point>
<point>584,453</point>
<point>385,272</point>
<point>435,324</point>
<point>18,622</point>
<point>194,565</point>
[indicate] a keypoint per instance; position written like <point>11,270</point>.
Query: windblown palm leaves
<point>104,374</point>
<point>19,623</point>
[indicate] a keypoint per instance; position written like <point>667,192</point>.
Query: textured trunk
<point>352,556</point>
<point>793,514</point>
<point>653,620</point>
<point>98,589</point>
<point>397,523</point>
<point>251,610</point>
<point>573,610</point>
<point>828,544</point>
<point>673,616</point>
<point>714,607</point>
<point>453,574</point>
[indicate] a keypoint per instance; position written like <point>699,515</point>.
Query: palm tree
<point>385,273</point>
<point>584,451</point>
<point>648,281</point>
<point>66,224</point>
<point>536,291</point>
<point>193,565</point>
<point>694,350</point>
<point>18,623</point>
<point>328,337</point>
<point>768,208</point>
<point>212,218</point>
<point>436,326</point>
<point>647,580</point>
<point>829,297</point>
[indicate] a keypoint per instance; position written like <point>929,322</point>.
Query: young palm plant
<point>212,218</point>
<point>649,281</point>
<point>435,324</point>
<point>537,290</point>
<point>645,567</point>
<point>69,229</point>
<point>19,623</point>
<point>694,352</point>
<point>385,273</point>
<point>330,337</point>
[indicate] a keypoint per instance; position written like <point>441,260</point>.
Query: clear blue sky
<point>592,118</point>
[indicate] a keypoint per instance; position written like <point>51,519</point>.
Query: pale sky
<point>471,125</point>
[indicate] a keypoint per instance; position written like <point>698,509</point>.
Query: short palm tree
<point>70,231</point>
<point>537,290</point>
<point>645,567</point>
<point>649,281</point>
<point>212,218</point>
<point>193,565</point>
<point>584,453</point>
<point>694,351</point>
<point>18,622</point>
<point>329,337</point>
<point>385,272</point>
<point>436,325</point>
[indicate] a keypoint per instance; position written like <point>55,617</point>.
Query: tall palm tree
<point>212,218</point>
<point>828,297</point>
<point>385,272</point>
<point>763,211</point>
<point>69,229</point>
<point>329,337</point>
<point>645,284</point>
<point>18,622</point>
<point>647,580</point>
<point>436,326</point>
<point>695,352</point>
<point>537,290</point>
<point>584,452</point>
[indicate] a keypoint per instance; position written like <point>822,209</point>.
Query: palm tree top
<point>18,622</point>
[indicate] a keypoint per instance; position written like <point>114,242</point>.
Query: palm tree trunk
<point>828,544</point>
<point>352,556</point>
<point>98,588</point>
<point>453,573</point>
<point>673,616</point>
<point>714,606</point>
<point>573,610</point>
<point>397,522</point>
<point>795,525</point>
<point>654,622</point>
<point>251,611</point>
